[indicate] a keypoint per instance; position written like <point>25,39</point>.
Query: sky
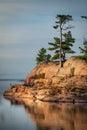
<point>27,25</point>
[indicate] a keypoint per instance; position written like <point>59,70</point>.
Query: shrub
<point>72,70</point>
<point>41,75</point>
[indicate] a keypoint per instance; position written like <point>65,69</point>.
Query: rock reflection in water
<point>52,116</point>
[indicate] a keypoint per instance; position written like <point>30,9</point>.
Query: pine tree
<point>42,56</point>
<point>60,24</point>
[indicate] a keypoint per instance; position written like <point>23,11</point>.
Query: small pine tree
<point>42,56</point>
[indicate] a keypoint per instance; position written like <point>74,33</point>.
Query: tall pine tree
<point>62,20</point>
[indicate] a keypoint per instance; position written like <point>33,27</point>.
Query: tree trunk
<point>60,53</point>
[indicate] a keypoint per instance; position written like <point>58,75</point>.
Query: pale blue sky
<point>27,25</point>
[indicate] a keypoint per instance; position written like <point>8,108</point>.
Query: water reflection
<point>52,116</point>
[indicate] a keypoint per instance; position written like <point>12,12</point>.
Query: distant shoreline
<point>12,80</point>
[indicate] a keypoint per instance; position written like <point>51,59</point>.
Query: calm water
<point>38,115</point>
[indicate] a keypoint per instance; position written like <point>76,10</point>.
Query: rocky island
<point>48,82</point>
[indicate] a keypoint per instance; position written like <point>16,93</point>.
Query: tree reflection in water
<point>53,116</point>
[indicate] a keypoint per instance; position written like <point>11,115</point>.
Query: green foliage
<point>84,17</point>
<point>42,56</point>
<point>67,44</point>
<point>83,57</point>
<point>61,21</point>
<point>55,47</point>
<point>84,49</point>
<point>62,44</point>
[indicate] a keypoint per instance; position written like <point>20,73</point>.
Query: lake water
<point>40,115</point>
